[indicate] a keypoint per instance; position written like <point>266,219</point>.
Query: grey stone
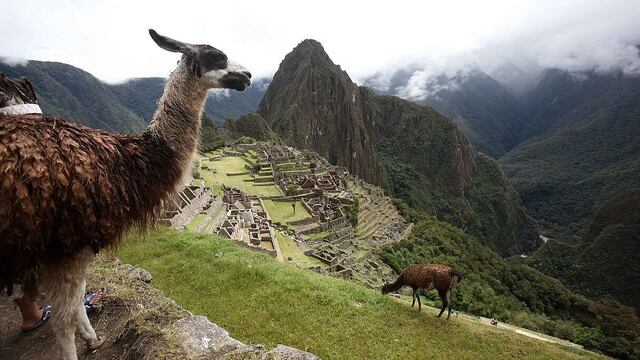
<point>141,274</point>
<point>126,267</point>
<point>288,353</point>
<point>202,337</point>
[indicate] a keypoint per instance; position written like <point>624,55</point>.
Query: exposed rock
<point>141,274</point>
<point>200,336</point>
<point>125,267</point>
<point>204,339</point>
<point>288,353</point>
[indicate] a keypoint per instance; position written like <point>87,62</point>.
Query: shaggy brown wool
<point>64,187</point>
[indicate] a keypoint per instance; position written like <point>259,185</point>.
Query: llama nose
<point>247,73</point>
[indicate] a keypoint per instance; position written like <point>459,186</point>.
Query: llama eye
<point>221,64</point>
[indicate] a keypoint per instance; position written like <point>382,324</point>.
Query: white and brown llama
<point>67,191</point>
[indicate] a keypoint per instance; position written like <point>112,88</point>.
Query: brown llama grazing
<point>426,276</point>
<point>67,191</point>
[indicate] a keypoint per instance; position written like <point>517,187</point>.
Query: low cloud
<point>13,61</point>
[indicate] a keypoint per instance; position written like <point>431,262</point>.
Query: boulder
<point>202,337</point>
<point>141,274</point>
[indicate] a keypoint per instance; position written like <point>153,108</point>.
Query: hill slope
<point>417,154</point>
<point>602,262</point>
<point>260,300</point>
<point>74,94</point>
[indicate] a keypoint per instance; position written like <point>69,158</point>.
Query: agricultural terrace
<point>282,212</point>
<point>234,171</point>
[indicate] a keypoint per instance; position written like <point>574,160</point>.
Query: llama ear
<point>30,93</point>
<point>170,44</point>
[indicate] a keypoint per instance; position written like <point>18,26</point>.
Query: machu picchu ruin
<point>293,205</point>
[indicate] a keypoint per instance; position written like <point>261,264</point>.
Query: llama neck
<point>395,286</point>
<point>177,118</point>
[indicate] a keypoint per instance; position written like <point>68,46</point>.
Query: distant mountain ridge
<point>72,93</point>
<point>413,151</point>
<point>486,112</point>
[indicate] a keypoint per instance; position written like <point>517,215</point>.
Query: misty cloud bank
<point>577,37</point>
<point>510,40</point>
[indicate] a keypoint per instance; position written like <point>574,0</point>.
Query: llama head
<point>209,65</point>
<point>386,288</point>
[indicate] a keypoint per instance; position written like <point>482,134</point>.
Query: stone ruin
<point>184,205</point>
<point>324,190</point>
<point>246,221</point>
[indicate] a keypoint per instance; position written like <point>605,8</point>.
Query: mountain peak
<point>307,49</point>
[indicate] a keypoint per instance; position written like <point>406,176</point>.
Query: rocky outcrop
<point>312,104</point>
<point>200,338</point>
<point>252,125</point>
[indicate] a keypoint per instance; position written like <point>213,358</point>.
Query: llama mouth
<point>236,81</point>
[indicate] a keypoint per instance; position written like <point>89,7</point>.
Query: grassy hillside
<point>260,300</point>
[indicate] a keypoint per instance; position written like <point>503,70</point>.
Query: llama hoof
<point>93,346</point>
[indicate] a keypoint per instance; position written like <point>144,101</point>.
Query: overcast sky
<point>110,39</point>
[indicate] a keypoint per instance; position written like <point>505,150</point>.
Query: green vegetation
<point>251,126</point>
<point>260,300</point>
<point>210,137</point>
<point>317,235</point>
<point>195,222</point>
<point>291,250</point>
<point>599,265</point>
<point>583,148</point>
<point>282,211</point>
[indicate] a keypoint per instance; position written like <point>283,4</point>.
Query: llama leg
<point>63,285</point>
<point>449,304</point>
<point>443,298</point>
<point>414,298</point>
<point>84,326</point>
<point>418,297</point>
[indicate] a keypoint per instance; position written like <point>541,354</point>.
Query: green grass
<point>317,235</point>
<point>234,165</point>
<point>289,249</point>
<point>197,220</point>
<point>259,300</point>
<point>282,212</point>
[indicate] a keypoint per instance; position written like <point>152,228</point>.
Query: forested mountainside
<point>417,154</point>
<point>75,94</point>
<point>568,144</point>
<point>605,260</point>
<point>575,158</point>
<point>582,146</point>
<point>484,110</point>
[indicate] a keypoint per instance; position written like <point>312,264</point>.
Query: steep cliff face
<point>314,105</point>
<point>417,154</point>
